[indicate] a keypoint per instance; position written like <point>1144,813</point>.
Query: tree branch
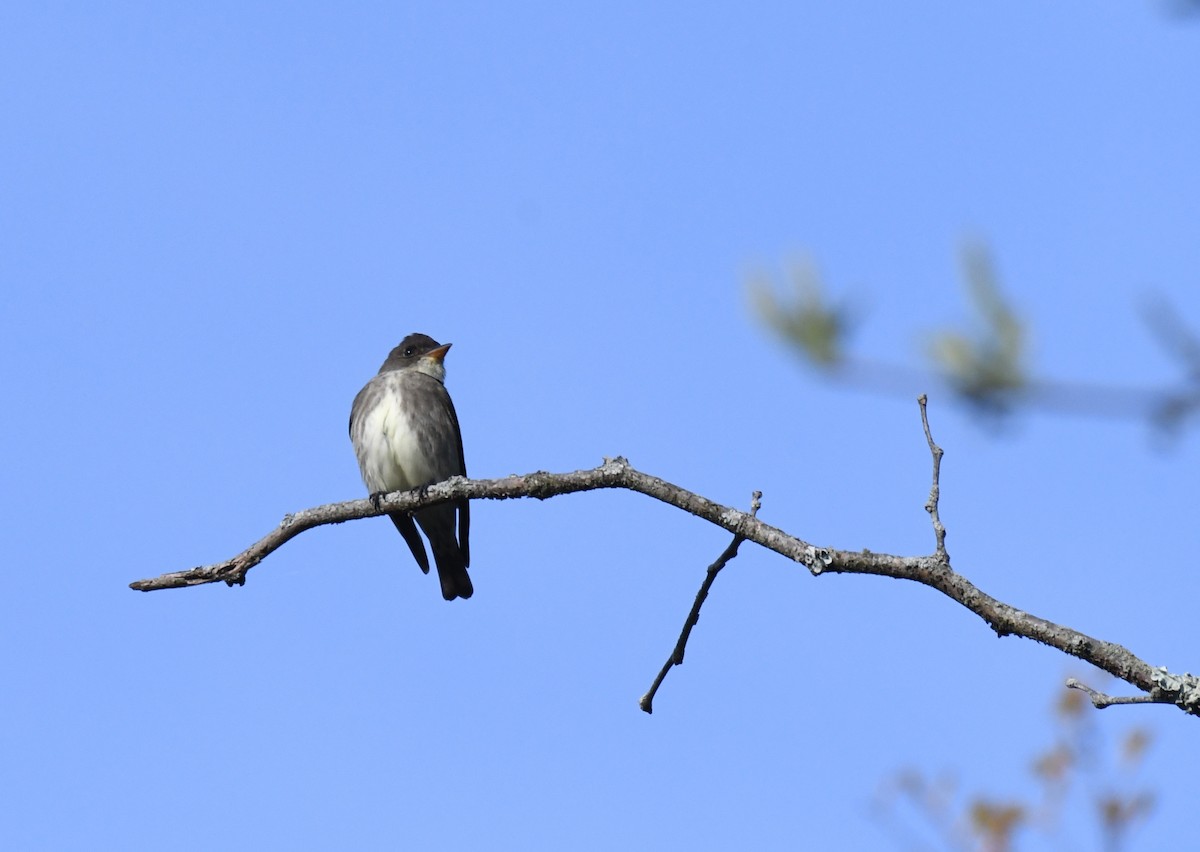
<point>1100,700</point>
<point>935,490</point>
<point>933,571</point>
<point>710,577</point>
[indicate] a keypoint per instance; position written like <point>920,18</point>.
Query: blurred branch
<point>1182,8</point>
<point>933,571</point>
<point>985,365</point>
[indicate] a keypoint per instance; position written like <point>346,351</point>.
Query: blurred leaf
<point>1078,760</point>
<point>1134,745</point>
<point>996,823</point>
<point>804,316</point>
<point>1119,813</point>
<point>1053,766</point>
<point>987,365</point>
<point>1071,703</point>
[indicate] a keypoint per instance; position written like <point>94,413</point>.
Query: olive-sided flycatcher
<point>405,434</point>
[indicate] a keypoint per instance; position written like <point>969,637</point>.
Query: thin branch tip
<point>693,617</point>
<point>931,505</point>
<point>1100,700</point>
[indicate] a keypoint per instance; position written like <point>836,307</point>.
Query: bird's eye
<point>408,351</point>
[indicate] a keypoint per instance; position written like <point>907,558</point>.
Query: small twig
<point>676,658</point>
<point>1100,700</point>
<point>931,506</point>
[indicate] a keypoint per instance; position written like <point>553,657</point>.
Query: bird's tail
<point>452,570</point>
<point>438,523</point>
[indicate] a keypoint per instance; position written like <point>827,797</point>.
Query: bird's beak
<point>439,353</point>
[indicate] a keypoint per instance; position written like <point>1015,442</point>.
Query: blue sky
<point>219,218</point>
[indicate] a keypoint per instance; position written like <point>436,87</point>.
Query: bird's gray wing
<point>464,505</point>
<point>364,400</point>
<point>440,434</point>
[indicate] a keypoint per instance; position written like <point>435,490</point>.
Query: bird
<point>405,434</point>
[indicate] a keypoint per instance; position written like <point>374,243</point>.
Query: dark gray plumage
<point>405,435</point>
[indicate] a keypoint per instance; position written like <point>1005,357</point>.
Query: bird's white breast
<point>389,454</point>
